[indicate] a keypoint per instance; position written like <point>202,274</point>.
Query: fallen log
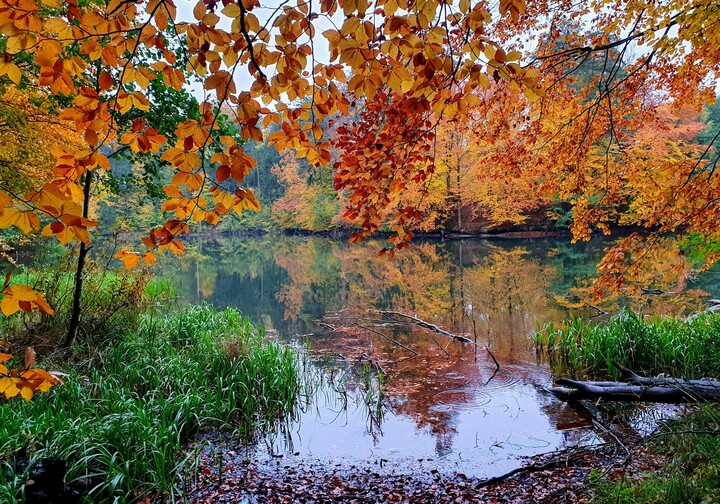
<point>665,381</point>
<point>640,388</point>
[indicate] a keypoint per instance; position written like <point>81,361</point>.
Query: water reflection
<point>506,286</point>
<point>442,399</point>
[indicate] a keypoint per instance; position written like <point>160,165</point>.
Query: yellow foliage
<point>27,380</point>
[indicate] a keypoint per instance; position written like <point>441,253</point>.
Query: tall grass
<point>688,348</point>
<point>123,414</point>
<point>111,302</point>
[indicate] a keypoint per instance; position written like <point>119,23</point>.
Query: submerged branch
<point>565,459</point>
<point>427,325</point>
<point>387,338</point>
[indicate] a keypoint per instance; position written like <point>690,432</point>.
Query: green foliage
<point>160,290</point>
<point>711,117</point>
<point>686,348</point>
<point>122,416</point>
<point>692,475</point>
<point>111,303</point>
<point>697,247</point>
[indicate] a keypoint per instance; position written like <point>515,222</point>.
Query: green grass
<point>125,411</point>
<point>112,302</point>
<point>687,348</point>
<point>692,475</point>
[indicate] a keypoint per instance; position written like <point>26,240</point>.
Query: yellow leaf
<point>26,393</point>
<point>7,385</point>
<point>129,259</point>
<point>489,52</point>
<point>12,71</point>
<point>9,305</point>
<point>483,80</point>
<point>26,221</point>
<point>22,297</point>
<point>231,10</point>
<point>349,6</point>
<point>5,200</point>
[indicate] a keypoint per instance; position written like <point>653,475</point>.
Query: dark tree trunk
<point>77,294</point>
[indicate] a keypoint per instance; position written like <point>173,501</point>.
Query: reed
<point>685,348</point>
<point>124,414</point>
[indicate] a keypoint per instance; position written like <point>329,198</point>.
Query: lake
<point>388,392</point>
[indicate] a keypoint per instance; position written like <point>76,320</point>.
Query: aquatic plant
<point>685,348</point>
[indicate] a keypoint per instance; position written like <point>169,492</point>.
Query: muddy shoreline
<point>225,475</point>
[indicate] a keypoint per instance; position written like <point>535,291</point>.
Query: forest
<point>419,216</point>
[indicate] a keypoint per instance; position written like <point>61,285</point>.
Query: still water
<point>389,392</point>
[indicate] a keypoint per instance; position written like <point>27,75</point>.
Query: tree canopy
<point>563,94</point>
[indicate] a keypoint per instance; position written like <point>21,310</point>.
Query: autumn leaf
<point>128,258</point>
<point>25,382</point>
<point>26,221</point>
<point>30,357</point>
<point>12,71</point>
<point>22,297</point>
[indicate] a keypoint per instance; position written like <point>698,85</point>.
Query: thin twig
<point>387,338</point>
<point>426,325</point>
<point>440,346</point>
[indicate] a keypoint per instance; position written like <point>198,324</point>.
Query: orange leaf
<point>129,259</point>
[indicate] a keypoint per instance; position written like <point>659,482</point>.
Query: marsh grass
<point>687,348</point>
<point>692,447</point>
<point>125,411</point>
<point>112,302</point>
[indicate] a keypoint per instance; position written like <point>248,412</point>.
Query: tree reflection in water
<point>495,292</point>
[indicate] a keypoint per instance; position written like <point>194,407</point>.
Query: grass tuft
<point>691,446</point>
<point>124,413</point>
<point>687,348</point>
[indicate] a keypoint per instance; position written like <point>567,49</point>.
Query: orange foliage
<point>553,86</point>
<point>25,382</point>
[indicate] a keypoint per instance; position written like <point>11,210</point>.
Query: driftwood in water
<point>427,325</point>
<point>640,388</point>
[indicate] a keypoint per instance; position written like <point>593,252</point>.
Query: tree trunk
<point>77,294</point>
<point>640,388</point>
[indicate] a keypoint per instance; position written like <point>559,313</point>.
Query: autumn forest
<point>432,186</point>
